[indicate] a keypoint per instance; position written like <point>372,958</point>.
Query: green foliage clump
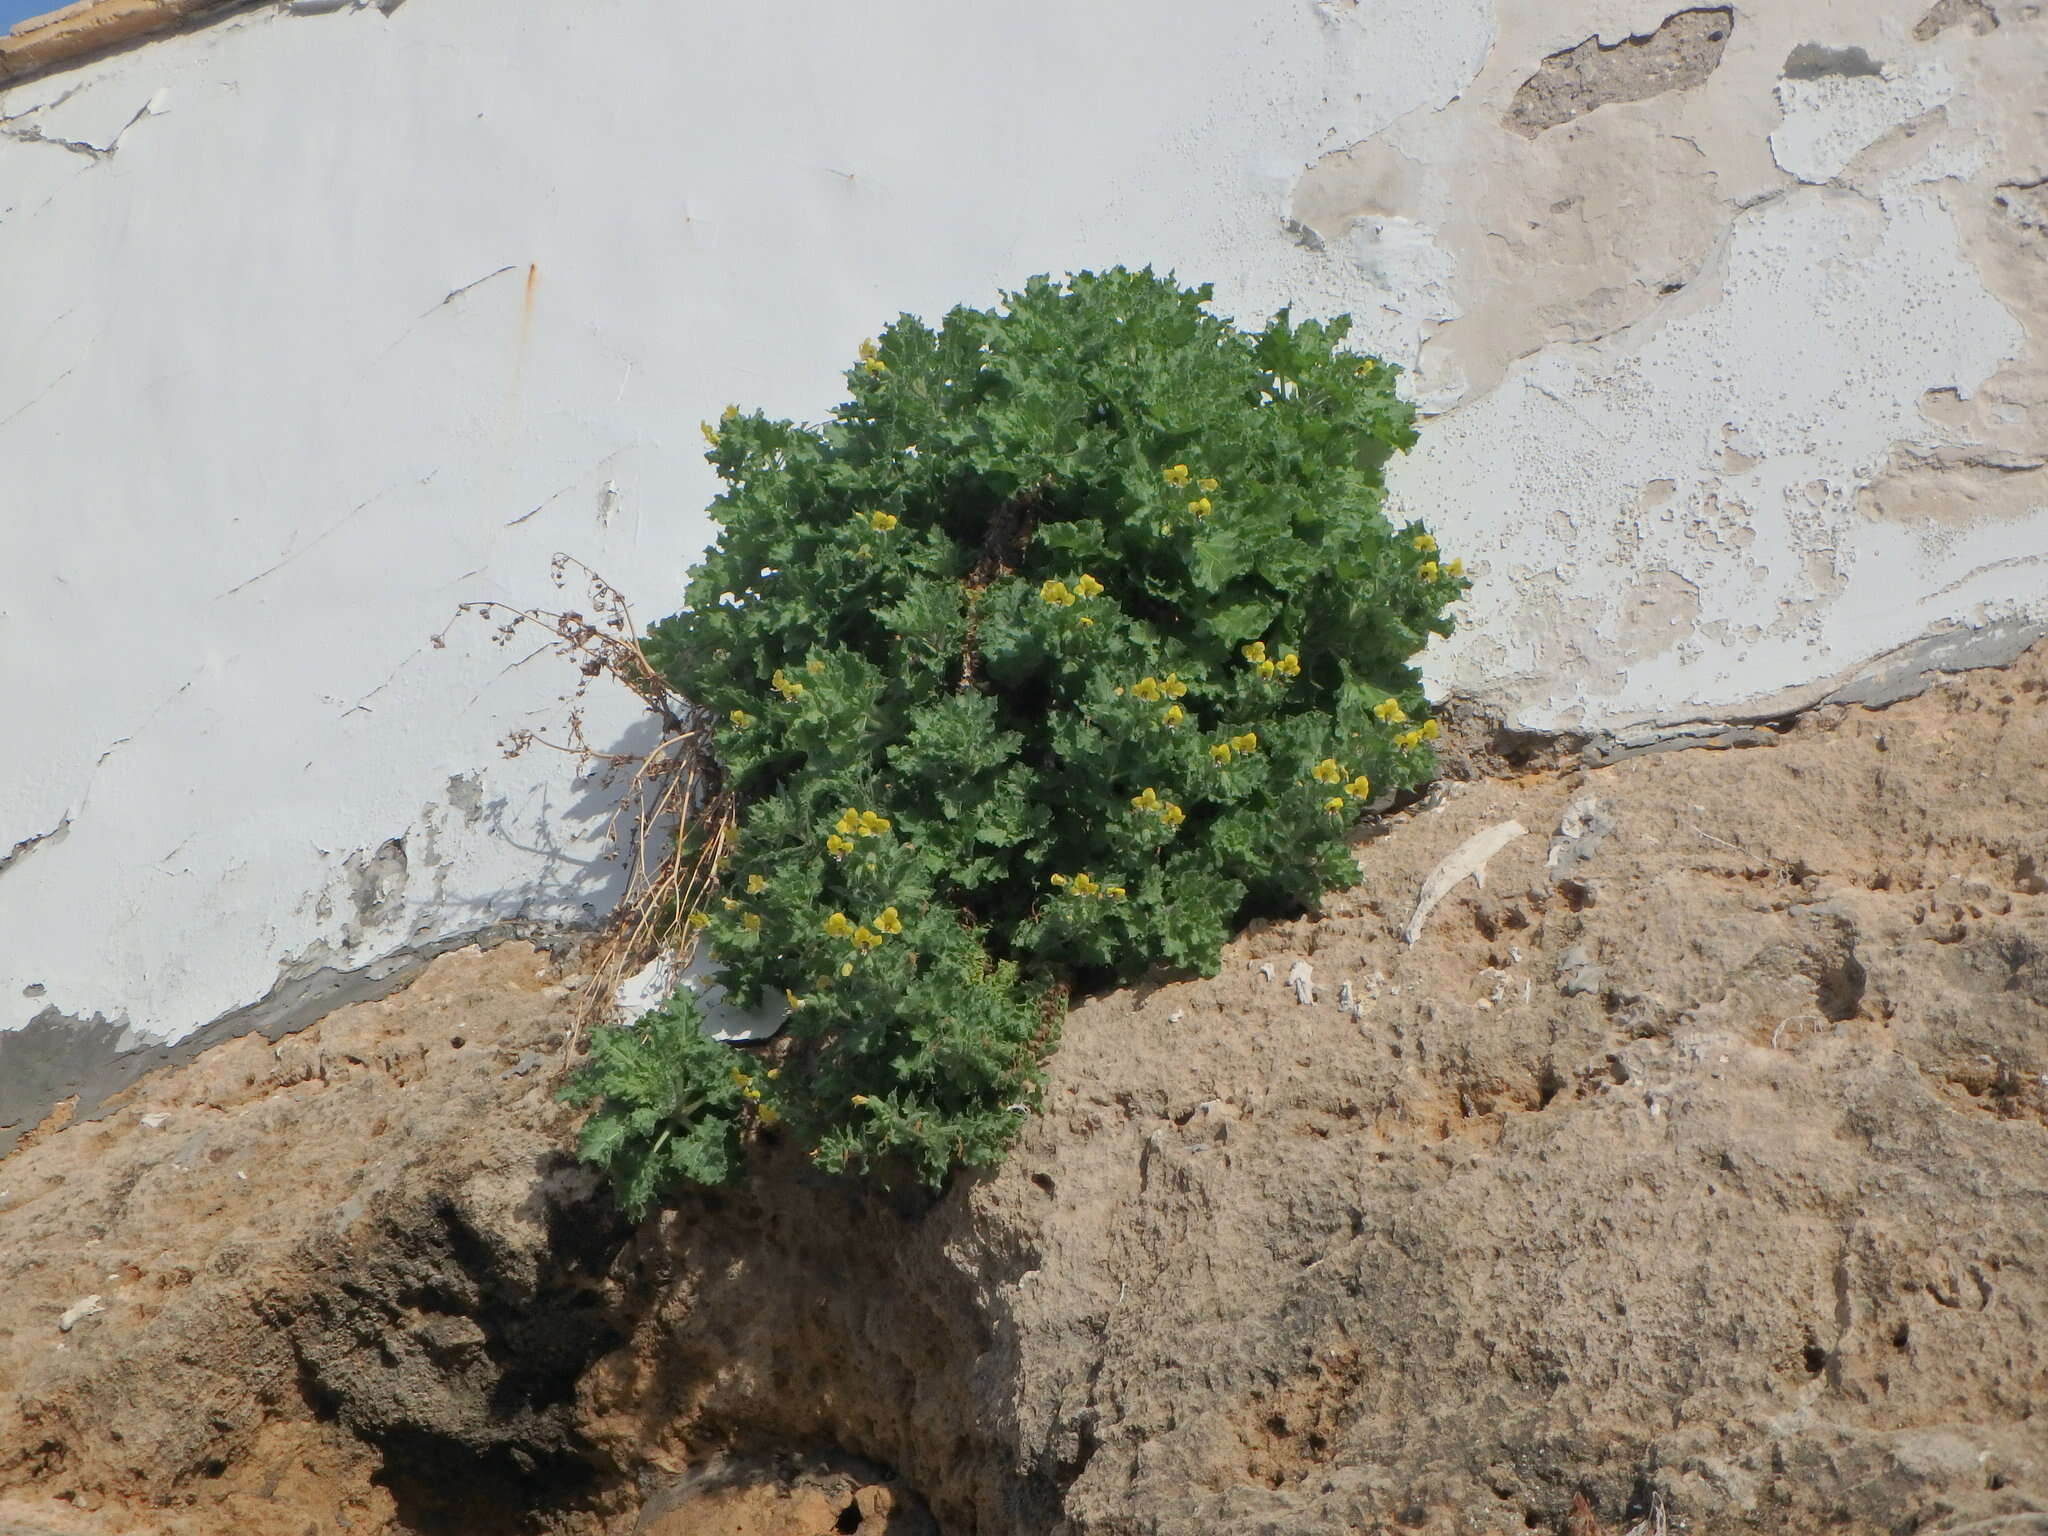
<point>1078,635</point>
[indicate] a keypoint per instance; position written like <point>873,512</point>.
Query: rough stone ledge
<point>89,28</point>
<point>59,1057</point>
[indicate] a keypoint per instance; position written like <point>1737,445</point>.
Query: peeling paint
<point>1831,115</point>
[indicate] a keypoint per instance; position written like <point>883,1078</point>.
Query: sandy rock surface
<point>1697,1162</point>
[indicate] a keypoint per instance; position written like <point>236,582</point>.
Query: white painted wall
<point>313,326</point>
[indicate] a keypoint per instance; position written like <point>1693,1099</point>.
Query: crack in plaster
<point>32,133</point>
<point>37,398</point>
<point>307,547</point>
<point>32,842</point>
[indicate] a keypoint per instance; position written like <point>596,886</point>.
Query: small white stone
<point>1302,979</point>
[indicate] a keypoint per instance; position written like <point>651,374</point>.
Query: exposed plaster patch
<point>1813,61</point>
<point>376,887</point>
<point>2024,204</point>
<point>1978,16</point>
<point>466,796</point>
<point>1677,56</point>
<point>1830,117</point>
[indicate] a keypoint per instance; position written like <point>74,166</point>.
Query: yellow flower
<point>1085,622</point>
<point>730,413</point>
<point>1364,369</point>
<point>849,822</point>
<point>768,1115</point>
<point>1206,483</point>
<point>710,436</point>
<point>1173,687</point>
<point>1334,804</point>
<point>1266,669</point>
<point>1427,571</point>
<point>865,938</point>
<point>1456,567</point>
<point>1200,506</point>
<point>1173,815</point>
<point>1390,711</point>
<point>782,683</point>
<point>867,350</point>
<point>729,904</point>
<point>1147,688</point>
<point>838,926</point>
<point>1424,544</point>
<point>872,825</point>
<point>699,920</point>
<point>1056,593</point>
<point>1087,586</point>
<point>1290,665</point>
<point>756,884</point>
<point>1084,885</point>
<point>875,367</point>
<point>1176,475</point>
<point>1220,754</point>
<point>860,1098</point>
<point>881,522</point>
<point>741,718</point>
<point>1407,741</point>
<point>1059,879</point>
<point>1327,771</point>
<point>1148,801</point>
<point>1429,730</point>
<point>889,921</point>
<point>846,969</point>
<point>838,846</point>
<point>1359,788</point>
<point>1247,743</point>
<point>865,553</point>
<point>772,1073</point>
<point>739,1078</point>
<point>1172,715</point>
<point>1113,892</point>
<point>792,999</point>
<point>751,922</point>
<point>815,667</point>
<point>1255,652</point>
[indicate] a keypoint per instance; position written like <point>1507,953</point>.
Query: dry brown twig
<point>673,789</point>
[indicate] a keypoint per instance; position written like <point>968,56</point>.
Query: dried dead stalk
<point>675,815</point>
